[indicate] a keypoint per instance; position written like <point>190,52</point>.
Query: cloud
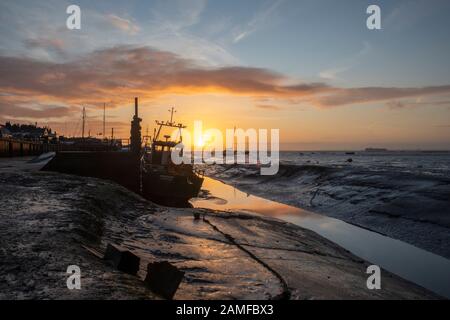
<point>397,105</point>
<point>139,70</point>
<point>162,23</point>
<point>54,45</point>
<point>177,14</point>
<point>123,24</point>
<point>408,14</point>
<point>394,105</point>
<point>347,96</point>
<point>261,17</point>
<point>331,74</point>
<point>347,64</point>
<point>42,112</point>
<point>268,107</point>
<point>118,73</point>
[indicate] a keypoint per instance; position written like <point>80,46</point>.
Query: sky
<point>310,68</point>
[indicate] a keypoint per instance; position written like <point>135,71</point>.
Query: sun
<point>204,140</point>
<point>200,142</point>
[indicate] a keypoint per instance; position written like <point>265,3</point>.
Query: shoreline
<point>407,261</point>
<point>407,207</point>
<point>47,218</point>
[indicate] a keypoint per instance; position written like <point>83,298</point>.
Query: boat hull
<point>170,190</point>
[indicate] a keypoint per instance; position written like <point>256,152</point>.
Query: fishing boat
<point>147,171</point>
<point>163,181</point>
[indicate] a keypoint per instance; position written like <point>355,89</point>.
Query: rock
<point>30,284</point>
<point>123,260</point>
<point>163,278</point>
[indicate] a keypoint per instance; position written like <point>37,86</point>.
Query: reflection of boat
<point>162,180</point>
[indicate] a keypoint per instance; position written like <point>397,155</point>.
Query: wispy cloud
<point>409,13</point>
<point>123,24</point>
<point>347,64</point>
<point>54,45</point>
<point>29,28</point>
<point>348,96</point>
<point>268,107</point>
<point>40,112</point>
<point>397,105</point>
<point>257,21</point>
<point>177,15</point>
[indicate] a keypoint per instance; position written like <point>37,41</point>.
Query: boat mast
<point>104,120</point>
<point>84,122</point>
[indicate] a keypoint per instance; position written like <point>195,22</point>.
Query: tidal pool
<point>407,261</point>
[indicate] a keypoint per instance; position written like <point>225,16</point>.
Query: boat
<point>149,172</point>
<point>376,150</point>
<point>162,181</point>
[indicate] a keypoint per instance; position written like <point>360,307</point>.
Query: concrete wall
<point>120,167</point>
<point>17,148</point>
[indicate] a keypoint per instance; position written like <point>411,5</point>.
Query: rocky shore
<point>47,220</point>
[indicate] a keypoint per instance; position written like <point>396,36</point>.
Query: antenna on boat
<point>147,137</point>
<point>172,111</point>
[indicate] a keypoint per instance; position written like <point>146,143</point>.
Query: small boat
<point>162,181</point>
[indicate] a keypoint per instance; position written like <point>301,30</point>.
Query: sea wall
<point>120,167</point>
<point>22,148</point>
<point>18,148</point>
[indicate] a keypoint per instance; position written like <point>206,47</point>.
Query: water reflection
<point>422,267</point>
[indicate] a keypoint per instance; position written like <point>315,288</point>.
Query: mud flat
<point>47,220</point>
<point>413,207</point>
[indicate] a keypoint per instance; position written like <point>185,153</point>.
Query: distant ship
<point>376,149</point>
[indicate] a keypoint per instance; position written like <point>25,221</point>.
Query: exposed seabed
<point>48,219</point>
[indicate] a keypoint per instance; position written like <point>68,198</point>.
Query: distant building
<point>4,133</point>
<point>30,132</point>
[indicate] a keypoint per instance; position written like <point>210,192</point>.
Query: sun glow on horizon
<point>200,142</point>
